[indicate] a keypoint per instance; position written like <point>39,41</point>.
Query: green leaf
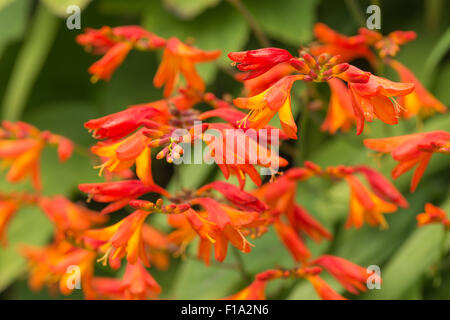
<point>217,28</point>
<point>290,21</point>
<point>436,54</point>
<point>29,62</point>
<point>13,20</point>
<point>59,7</point>
<point>29,226</point>
<point>189,9</point>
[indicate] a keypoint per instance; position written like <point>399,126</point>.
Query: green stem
<point>356,12</point>
<point>259,33</point>
<point>29,63</point>
<point>240,264</point>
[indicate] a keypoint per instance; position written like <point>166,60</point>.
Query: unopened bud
<point>300,65</point>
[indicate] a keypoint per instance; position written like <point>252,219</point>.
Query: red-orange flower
<point>118,193</point>
<point>122,154</point>
<point>50,265</point>
<point>115,44</point>
<point>8,208</point>
<point>411,150</point>
<point>136,284</point>
<point>324,291</point>
<point>375,98</point>
<point>69,218</point>
<point>238,152</point>
<point>121,239</point>
<point>420,101</point>
<point>349,48</point>
<point>266,104</point>
<point>21,145</point>
<point>351,276</point>
<point>181,58</point>
<point>257,62</point>
<point>340,113</point>
<point>431,215</point>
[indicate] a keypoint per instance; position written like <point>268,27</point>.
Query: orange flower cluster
<point>220,213</point>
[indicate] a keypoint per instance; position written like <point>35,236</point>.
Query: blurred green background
<point>44,81</point>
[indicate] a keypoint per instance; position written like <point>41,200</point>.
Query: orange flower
<point>324,291</point>
<point>411,150</point>
<point>259,61</point>
<point>118,193</point>
<point>420,101</point>
<point>136,284</point>
<point>374,98</point>
<point>21,145</point>
<point>8,208</point>
<point>235,151</point>
<point>255,291</point>
<point>69,217</point>
<point>262,82</point>
<point>340,114</point>
<point>49,265</point>
<point>123,154</point>
<point>115,44</point>
<point>292,241</point>
<point>431,215</point>
<point>121,239</point>
<point>366,206</point>
<point>181,58</point>
<point>105,67</point>
<point>349,48</point>
<point>351,276</point>
<point>266,104</point>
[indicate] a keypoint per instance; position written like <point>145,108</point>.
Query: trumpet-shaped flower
<point>257,62</point>
<point>340,113</point>
<point>432,215</point>
<point>420,101</point>
<point>181,58</point>
<point>412,150</point>
<point>118,193</point>
<point>266,104</point>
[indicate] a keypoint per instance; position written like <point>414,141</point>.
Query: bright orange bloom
<point>8,208</point>
<point>266,104</point>
<point>431,215</point>
<point>366,206</point>
<point>292,241</point>
<point>390,44</point>
<point>255,291</point>
<point>351,276</point>
<point>375,98</point>
<point>340,113</point>
<point>420,101</point>
<point>121,239</point>
<point>262,82</point>
<point>69,218</point>
<point>123,154</point>
<point>280,196</point>
<point>324,291</point>
<point>118,193</point>
<point>237,152</point>
<point>21,145</point>
<point>136,284</point>
<point>259,61</point>
<point>51,264</point>
<point>411,150</point>
<point>115,44</point>
<point>181,58</point>
<point>349,48</point>
<point>105,67</point>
